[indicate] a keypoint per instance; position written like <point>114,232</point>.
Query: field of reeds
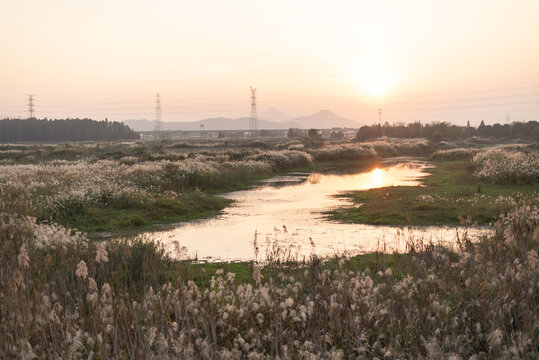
<point>133,192</point>
<point>104,188</point>
<point>65,297</point>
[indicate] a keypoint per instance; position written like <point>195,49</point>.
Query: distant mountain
<point>219,123</point>
<point>324,119</point>
<point>272,114</point>
<point>139,124</point>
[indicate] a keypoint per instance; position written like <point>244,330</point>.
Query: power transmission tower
<point>158,125</point>
<point>202,131</point>
<point>253,123</point>
<point>30,105</point>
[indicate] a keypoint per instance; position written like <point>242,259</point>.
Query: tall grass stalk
<point>62,297</point>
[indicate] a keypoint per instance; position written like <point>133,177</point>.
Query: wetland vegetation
<point>455,192</point>
<point>70,296</point>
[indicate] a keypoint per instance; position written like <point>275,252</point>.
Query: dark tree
<point>442,131</point>
<point>293,133</point>
<point>17,130</point>
<point>313,139</point>
<point>336,135</point>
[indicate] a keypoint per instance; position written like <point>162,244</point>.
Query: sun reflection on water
<point>298,205</point>
<point>377,178</point>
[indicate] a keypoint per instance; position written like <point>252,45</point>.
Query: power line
<point>291,105</point>
<point>113,105</point>
<point>410,94</point>
<point>462,106</point>
<point>203,101</point>
<point>476,101</point>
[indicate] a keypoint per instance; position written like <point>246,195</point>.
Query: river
<point>283,214</point>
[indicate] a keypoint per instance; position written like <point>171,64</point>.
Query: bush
<point>343,153</point>
<point>453,154</point>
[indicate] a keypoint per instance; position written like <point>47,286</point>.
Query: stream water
<point>283,214</point>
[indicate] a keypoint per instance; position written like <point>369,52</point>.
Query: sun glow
<point>372,80</point>
<point>377,82</point>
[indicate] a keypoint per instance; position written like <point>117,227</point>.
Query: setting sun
<point>377,89</point>
<point>377,82</point>
<point>371,79</point>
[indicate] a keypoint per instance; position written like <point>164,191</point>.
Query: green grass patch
<point>137,264</point>
<point>133,215</point>
<point>201,273</point>
<point>449,191</point>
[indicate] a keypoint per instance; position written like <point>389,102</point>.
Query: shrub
<point>343,153</point>
<point>453,154</point>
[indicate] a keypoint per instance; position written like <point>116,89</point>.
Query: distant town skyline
<point>417,60</point>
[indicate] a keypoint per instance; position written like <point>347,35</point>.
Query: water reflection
<point>377,177</point>
<point>295,201</point>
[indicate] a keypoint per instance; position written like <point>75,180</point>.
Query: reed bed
<point>373,150</point>
<point>64,297</point>
<point>507,166</point>
<point>63,188</point>
<point>452,154</point>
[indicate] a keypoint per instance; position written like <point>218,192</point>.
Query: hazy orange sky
<point>417,60</point>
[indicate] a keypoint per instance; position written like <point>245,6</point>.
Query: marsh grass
<point>128,193</point>
<point>507,166</point>
<point>143,213</point>
<point>130,187</point>
<point>62,297</point>
<point>449,192</point>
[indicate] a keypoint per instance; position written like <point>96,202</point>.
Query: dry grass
<point>132,193</point>
<point>64,298</point>
<point>506,165</point>
<point>372,150</point>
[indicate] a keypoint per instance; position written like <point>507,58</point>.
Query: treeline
<point>17,130</point>
<point>440,131</point>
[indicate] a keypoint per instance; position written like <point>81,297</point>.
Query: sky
<point>416,60</point>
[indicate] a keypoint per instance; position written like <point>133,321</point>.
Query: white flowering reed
<point>61,187</point>
<point>64,297</point>
<point>505,166</point>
